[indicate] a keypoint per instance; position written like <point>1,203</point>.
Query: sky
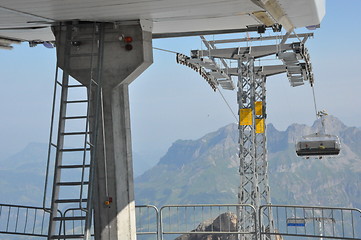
<point>170,101</point>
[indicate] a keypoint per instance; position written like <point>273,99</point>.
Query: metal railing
<point>147,222</point>
<point>74,226</point>
<point>203,220</point>
<point>24,220</point>
<point>313,222</point>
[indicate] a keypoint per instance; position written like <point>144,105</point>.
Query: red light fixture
<point>128,39</point>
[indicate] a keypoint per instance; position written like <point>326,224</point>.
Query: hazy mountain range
<point>22,174</point>
<point>206,170</point>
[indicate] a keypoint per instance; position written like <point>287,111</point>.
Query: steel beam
<point>261,38</point>
<point>243,52</point>
<point>260,70</point>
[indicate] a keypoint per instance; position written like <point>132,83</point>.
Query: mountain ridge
<point>293,180</point>
<point>205,170</point>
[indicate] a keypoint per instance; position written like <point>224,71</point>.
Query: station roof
<point>29,20</point>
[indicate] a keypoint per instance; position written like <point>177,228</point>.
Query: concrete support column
<point>99,52</point>
<point>114,173</point>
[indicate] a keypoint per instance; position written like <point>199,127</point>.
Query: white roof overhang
<point>31,19</point>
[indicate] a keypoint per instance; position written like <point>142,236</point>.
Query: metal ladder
<point>74,151</point>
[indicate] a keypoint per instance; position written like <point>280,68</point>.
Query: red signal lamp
<point>128,39</point>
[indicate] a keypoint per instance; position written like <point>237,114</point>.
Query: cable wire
<point>297,35</point>
<point>314,100</point>
<point>164,50</point>
<point>227,103</point>
<point>224,99</point>
<point>104,143</point>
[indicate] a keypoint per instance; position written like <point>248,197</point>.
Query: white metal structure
<point>31,20</point>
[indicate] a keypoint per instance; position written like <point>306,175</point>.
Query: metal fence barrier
<point>313,222</point>
<point>203,220</point>
<point>184,221</point>
<point>147,222</point>
<point>34,221</point>
<point>75,227</point>
<point>24,220</point>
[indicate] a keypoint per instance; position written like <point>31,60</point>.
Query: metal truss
<point>261,159</point>
<point>254,184</point>
<point>294,56</point>
<point>248,189</point>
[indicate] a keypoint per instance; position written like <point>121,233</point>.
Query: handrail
<point>199,213</point>
<point>50,144</point>
<point>147,216</point>
<point>345,223</point>
<point>24,220</point>
<point>311,206</point>
<point>313,221</point>
<point>80,224</point>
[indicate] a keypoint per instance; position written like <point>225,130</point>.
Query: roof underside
<point>31,19</point>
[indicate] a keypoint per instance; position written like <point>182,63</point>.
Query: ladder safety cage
<point>72,141</point>
<point>71,227</point>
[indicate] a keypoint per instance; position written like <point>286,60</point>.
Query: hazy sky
<point>170,101</point>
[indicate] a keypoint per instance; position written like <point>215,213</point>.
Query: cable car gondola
<point>318,144</point>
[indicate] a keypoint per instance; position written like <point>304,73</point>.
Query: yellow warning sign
<point>259,125</point>
<point>258,108</point>
<point>245,116</point>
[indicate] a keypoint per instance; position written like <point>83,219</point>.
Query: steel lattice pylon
<point>254,186</point>
<point>251,97</point>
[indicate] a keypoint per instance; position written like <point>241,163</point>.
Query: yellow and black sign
<point>245,116</point>
<point>258,108</point>
<point>260,125</point>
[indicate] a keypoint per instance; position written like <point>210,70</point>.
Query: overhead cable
<point>224,99</point>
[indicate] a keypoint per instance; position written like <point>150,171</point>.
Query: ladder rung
<point>69,218</point>
<point>75,117</point>
<point>74,166</point>
<point>69,200</point>
<point>77,101</point>
<point>79,236</point>
<point>75,86</point>
<point>72,183</point>
<point>76,133</point>
<point>84,55</point>
<point>91,38</point>
<point>74,149</point>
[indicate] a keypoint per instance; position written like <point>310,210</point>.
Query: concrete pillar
<point>113,66</point>
<point>114,175</point>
